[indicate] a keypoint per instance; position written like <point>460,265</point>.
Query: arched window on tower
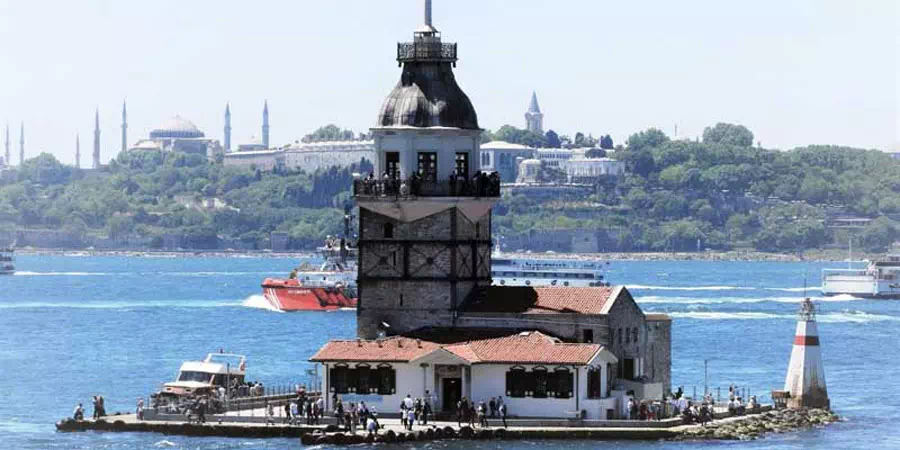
<point>388,231</point>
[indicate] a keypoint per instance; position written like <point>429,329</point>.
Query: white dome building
<point>180,135</point>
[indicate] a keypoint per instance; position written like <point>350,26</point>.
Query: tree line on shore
<point>721,192</point>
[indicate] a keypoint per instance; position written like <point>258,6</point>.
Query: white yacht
<point>507,271</point>
<point>880,279</point>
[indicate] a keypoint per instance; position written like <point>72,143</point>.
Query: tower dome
<point>177,127</point>
<point>427,94</point>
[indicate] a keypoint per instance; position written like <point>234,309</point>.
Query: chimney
<point>419,343</point>
<point>400,343</point>
<point>379,343</point>
<point>358,342</point>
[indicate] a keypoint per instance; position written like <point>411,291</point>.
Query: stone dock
<point>745,427</point>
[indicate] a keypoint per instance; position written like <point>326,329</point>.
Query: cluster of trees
<point>550,139</point>
<point>722,192</point>
<point>151,193</point>
<point>332,132</point>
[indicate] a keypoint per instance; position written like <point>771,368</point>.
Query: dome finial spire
<point>427,27</point>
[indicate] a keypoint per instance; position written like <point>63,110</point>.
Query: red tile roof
<point>545,300</point>
<point>529,347</point>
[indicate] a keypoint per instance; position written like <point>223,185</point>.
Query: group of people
<point>99,409</point>
<point>412,410</point>
<point>649,410</point>
<point>356,415</point>
<point>299,409</point>
<point>482,184</point>
<point>242,389</point>
<point>469,412</point>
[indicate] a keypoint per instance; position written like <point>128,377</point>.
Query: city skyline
<point>799,73</point>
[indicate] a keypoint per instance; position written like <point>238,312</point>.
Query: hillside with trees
<point>718,193</point>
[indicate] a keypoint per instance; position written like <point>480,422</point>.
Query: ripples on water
<point>71,328</point>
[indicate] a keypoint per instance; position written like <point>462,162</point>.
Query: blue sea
<point>74,327</point>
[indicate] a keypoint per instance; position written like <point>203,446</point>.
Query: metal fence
<point>417,187</point>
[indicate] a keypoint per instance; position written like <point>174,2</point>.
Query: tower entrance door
<point>451,390</point>
<point>392,164</point>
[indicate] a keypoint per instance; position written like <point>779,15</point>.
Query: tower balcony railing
<point>395,189</point>
<point>426,51</point>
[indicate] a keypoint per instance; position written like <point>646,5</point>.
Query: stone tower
<point>805,379</point>
<point>534,118</point>
<point>227,127</point>
<point>124,127</point>
<point>77,152</point>
<point>265,127</point>
<point>425,218</point>
<point>96,154</point>
<point>22,143</point>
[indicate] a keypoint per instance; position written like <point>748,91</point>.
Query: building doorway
<point>392,163</point>
<point>452,393</point>
<point>628,368</point>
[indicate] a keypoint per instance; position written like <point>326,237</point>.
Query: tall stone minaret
<point>22,144</point>
<point>124,127</point>
<point>534,118</point>
<point>8,161</point>
<point>227,127</point>
<point>424,249</point>
<point>96,155</point>
<point>77,151</point>
<point>265,128</point>
<point>805,379</point>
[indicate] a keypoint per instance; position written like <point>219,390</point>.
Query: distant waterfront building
<point>529,171</point>
<point>180,135</point>
<point>306,156</point>
<point>587,170</point>
<point>504,158</point>
<point>534,118</point>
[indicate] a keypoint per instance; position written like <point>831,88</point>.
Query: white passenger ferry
<point>880,279</point>
<point>196,378</point>
<point>507,271</point>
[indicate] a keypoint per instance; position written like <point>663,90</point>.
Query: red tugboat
<point>330,286</point>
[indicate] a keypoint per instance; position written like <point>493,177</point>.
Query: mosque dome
<point>177,127</point>
<point>428,96</point>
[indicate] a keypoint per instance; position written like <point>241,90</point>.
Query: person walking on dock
<point>270,414</point>
<point>139,410</point>
<point>493,407</point>
<point>96,404</point>
<point>502,410</point>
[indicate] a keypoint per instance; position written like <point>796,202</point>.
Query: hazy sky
<point>794,72</point>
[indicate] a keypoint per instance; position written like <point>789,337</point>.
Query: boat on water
<point>330,286</point>
<point>879,279</point>
<point>197,378</point>
<point>506,271</point>
<point>7,261</point>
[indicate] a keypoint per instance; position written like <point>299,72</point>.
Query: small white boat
<point>880,279</point>
<point>7,261</point>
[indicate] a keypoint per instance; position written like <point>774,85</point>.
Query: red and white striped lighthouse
<point>806,375</point>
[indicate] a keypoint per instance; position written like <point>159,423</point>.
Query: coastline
<point>830,255</point>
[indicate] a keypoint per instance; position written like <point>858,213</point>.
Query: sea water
<point>74,327</point>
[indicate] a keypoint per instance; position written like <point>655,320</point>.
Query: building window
<point>620,336</point>
<point>634,334</point>
<point>428,166</point>
<point>516,381</point>
<point>477,230</point>
<point>392,164</point>
<point>594,381</point>
<point>388,231</point>
<point>541,382</point>
<point>627,336</point>
<point>386,380</point>
<point>588,336</point>
<point>362,379</point>
<point>340,377</point>
<point>462,164</point>
<point>561,383</point>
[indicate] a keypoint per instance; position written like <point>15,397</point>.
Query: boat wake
<point>846,316</point>
<point>718,288</point>
<point>59,274</point>
<point>656,299</point>
<point>258,301</point>
<point>129,305</point>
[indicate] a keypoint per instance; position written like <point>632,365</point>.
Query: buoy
<point>805,379</point>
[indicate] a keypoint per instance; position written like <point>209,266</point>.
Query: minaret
<point>96,155</point>
<point>124,127</point>
<point>22,144</point>
<point>77,152</point>
<point>227,127</point>
<point>534,118</point>
<point>265,128</point>
<point>424,246</point>
<point>7,154</point>
<point>805,379</point>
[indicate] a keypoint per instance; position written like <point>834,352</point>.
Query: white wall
<point>409,381</point>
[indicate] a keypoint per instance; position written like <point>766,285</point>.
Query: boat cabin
<point>204,377</point>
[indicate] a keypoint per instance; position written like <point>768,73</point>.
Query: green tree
<point>728,134</point>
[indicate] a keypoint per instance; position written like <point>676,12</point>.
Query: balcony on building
<point>481,185</point>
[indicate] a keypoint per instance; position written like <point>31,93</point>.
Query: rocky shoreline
<point>758,425</point>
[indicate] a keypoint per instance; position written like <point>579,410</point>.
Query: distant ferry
<point>545,272</point>
<point>880,279</point>
<point>7,261</point>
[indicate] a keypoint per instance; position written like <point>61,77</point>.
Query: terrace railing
<point>426,51</point>
<point>394,189</point>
